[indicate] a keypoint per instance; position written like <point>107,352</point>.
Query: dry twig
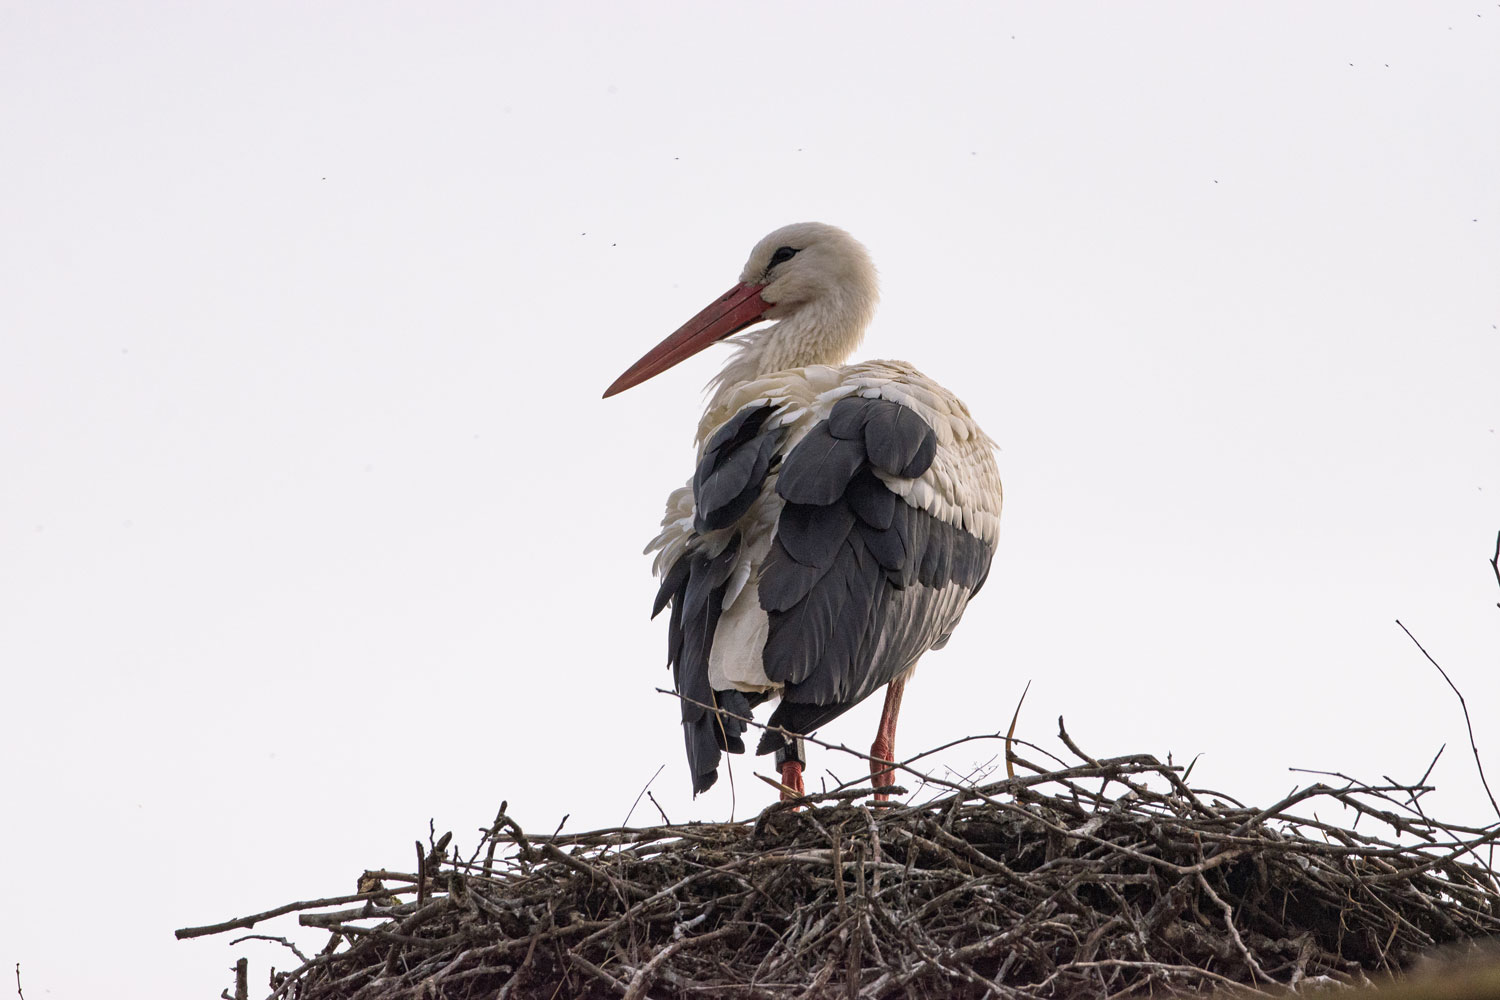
<point>1465,706</point>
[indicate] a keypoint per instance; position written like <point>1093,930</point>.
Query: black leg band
<point>791,750</point>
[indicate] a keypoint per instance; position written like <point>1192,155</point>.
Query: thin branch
<point>1010,734</point>
<point>644,789</point>
<point>1465,706</point>
<point>1495,562</point>
<point>271,937</point>
<point>183,933</point>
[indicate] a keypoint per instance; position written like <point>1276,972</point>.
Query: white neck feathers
<point>822,332</point>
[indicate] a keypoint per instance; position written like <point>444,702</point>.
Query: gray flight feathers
<point>851,567</point>
<point>696,593</point>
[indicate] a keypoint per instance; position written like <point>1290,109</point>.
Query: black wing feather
<point>733,468</point>
<point>848,416</point>
<point>819,468</point>
<point>889,549</point>
<point>899,442</point>
<point>784,581</point>
<point>671,586</point>
<point>696,606</point>
<point>872,502</point>
<point>812,534</point>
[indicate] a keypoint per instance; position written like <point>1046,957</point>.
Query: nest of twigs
<point>1109,878</point>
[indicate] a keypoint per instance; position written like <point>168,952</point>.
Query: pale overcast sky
<point>313,524</point>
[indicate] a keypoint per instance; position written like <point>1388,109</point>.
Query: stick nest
<point>1108,878</point>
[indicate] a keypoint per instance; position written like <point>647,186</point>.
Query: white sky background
<point>313,525</point>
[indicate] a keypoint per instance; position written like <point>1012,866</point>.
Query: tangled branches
<point>1105,878</point>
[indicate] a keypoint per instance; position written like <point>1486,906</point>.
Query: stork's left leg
<point>883,750</point>
<point>791,758</point>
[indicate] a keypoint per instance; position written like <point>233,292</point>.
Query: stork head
<point>817,279</point>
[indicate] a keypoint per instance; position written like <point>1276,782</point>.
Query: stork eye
<point>783,255</point>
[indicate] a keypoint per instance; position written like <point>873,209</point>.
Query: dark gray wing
<point>729,478</point>
<point>858,583</point>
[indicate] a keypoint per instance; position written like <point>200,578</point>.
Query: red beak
<point>730,313</point>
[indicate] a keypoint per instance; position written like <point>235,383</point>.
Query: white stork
<point>839,519</point>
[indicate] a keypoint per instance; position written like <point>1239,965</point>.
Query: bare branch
<point>183,933</point>
<point>270,937</point>
<point>1495,562</point>
<point>1465,706</point>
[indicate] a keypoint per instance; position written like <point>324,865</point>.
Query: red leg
<point>883,750</point>
<point>791,777</point>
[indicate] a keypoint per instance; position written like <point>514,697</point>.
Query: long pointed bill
<point>730,313</point>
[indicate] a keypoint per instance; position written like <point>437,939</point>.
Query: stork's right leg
<point>883,751</point>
